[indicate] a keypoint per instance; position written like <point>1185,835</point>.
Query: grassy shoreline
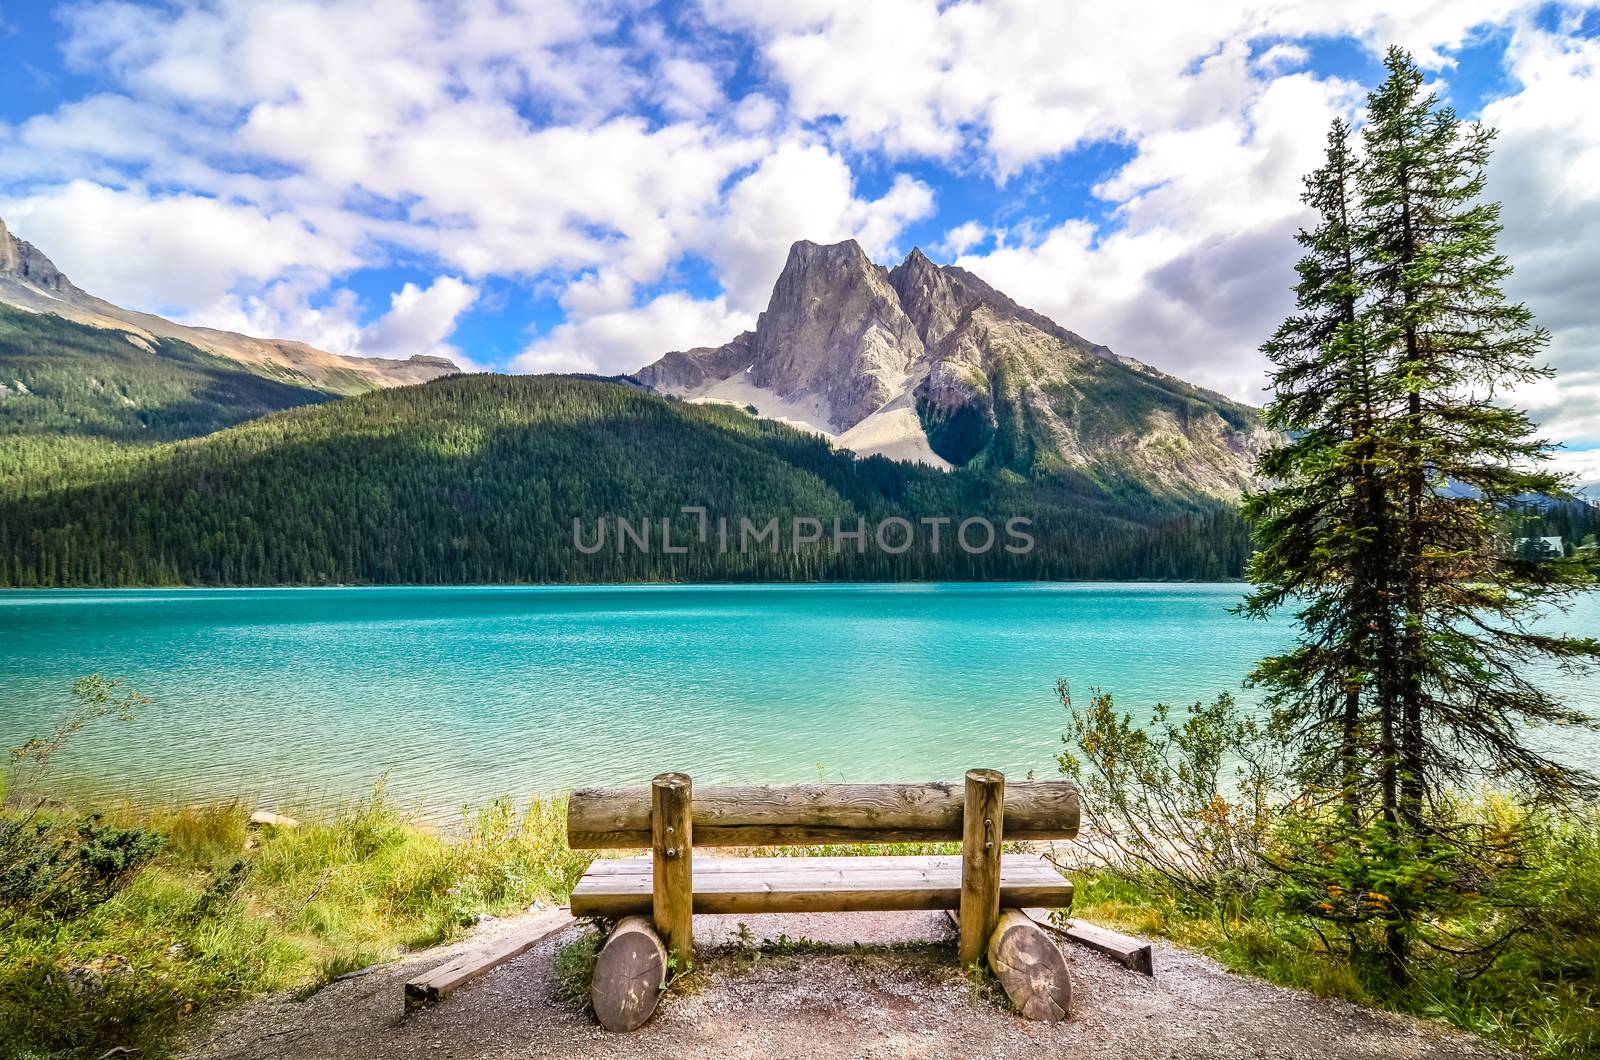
<point>227,911</point>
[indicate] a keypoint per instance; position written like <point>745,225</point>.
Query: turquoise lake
<point>304,697</point>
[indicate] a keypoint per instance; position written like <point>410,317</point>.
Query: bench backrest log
<point>804,814</point>
<point>671,817</point>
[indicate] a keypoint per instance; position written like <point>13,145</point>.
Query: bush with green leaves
<point>66,866</point>
<point>1190,801</point>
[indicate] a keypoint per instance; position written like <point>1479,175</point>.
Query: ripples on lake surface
<point>303,697</point>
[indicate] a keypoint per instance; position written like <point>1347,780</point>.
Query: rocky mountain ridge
<point>30,280</point>
<point>929,363</point>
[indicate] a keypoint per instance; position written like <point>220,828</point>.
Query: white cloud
<point>1029,80</point>
<point>419,320</point>
<point>755,113</point>
<point>962,238</point>
<point>1197,266</point>
<point>423,110</point>
<point>603,291</point>
<point>296,308</point>
<point>624,340</point>
<point>1281,57</point>
<point>688,89</point>
<point>167,252</point>
<point>1546,174</point>
<point>403,125</point>
<point>1583,465</point>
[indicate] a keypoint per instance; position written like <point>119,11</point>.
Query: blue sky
<point>535,186</point>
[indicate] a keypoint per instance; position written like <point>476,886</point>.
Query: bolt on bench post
<point>672,884</point>
<point>981,829</point>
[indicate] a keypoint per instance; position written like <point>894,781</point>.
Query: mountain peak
<point>843,253</point>
<point>23,263</point>
<point>833,332</point>
<point>928,362</point>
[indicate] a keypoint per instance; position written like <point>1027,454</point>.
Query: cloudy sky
<point>536,185</point>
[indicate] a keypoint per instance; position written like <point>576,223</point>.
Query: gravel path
<point>896,995</point>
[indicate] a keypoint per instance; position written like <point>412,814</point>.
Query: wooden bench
<point>653,898</point>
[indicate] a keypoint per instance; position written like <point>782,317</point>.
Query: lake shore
<point>228,911</point>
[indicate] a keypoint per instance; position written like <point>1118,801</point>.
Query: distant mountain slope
<point>479,479</point>
<point>29,280</point>
<point>73,396</point>
<point>929,363</point>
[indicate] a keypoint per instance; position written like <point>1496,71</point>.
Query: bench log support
<point>981,828</point>
<point>1030,968</point>
<point>629,975</point>
<point>672,883</point>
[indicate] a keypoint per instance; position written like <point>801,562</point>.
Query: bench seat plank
<point>621,887</point>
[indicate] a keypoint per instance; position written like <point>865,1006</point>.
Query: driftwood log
<point>1134,954</point>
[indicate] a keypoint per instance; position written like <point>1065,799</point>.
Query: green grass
<point>575,967</point>
<point>226,912</point>
<point>1540,997</point>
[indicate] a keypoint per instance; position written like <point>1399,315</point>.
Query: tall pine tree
<point>1387,522</point>
<point>1323,527</point>
<point>1461,458</point>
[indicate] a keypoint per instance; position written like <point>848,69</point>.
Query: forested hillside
<point>479,479</point>
<point>74,397</point>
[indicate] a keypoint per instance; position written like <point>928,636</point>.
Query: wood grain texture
<point>760,815</point>
<point>983,824</point>
<point>817,885</point>
<point>437,983</point>
<point>629,975</point>
<point>1030,967</point>
<point>672,860</point>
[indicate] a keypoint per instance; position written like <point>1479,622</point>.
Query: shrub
<point>1206,846</point>
<point>66,866</point>
<point>1191,803</point>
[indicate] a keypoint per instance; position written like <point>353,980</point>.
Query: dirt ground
<point>896,994</point>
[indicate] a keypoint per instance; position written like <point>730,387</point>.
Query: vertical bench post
<point>672,881</point>
<point>981,828</point>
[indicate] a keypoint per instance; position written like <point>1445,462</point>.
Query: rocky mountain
<point>29,280</point>
<point>929,363</point>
